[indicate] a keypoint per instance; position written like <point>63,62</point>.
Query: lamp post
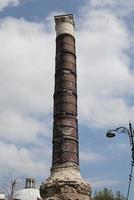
<point>130,132</point>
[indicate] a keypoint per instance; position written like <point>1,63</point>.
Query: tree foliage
<point>107,194</point>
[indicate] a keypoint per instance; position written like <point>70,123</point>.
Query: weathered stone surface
<point>64,24</point>
<point>65,183</point>
<point>65,132</point>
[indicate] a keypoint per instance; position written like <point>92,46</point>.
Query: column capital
<point>64,24</point>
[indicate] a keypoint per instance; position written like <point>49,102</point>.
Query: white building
<point>2,196</point>
<point>29,193</point>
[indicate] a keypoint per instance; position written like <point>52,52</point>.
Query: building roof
<point>27,194</point>
<point>2,196</point>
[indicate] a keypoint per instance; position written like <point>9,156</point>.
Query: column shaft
<point>65,128</point>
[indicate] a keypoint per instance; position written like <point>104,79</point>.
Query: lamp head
<point>110,134</point>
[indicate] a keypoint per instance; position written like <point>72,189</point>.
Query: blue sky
<point>104,41</point>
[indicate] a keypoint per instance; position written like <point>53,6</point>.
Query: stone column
<point>65,181</point>
<point>65,129</point>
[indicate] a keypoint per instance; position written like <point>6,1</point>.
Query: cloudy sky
<point>105,51</point>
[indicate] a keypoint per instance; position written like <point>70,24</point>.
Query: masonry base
<point>65,183</point>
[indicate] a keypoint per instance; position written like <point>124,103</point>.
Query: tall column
<point>65,129</point>
<point>65,181</point>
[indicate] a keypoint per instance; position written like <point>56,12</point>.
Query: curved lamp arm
<point>129,131</point>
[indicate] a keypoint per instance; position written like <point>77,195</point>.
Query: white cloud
<point>119,148</point>
<point>118,7</point>
<point>22,161</point>
<point>26,73</point>
<point>121,3</point>
<point>101,182</point>
<point>104,76</point>
<point>26,59</point>
<point>88,156</point>
<point>26,87</point>
<point>18,128</point>
<point>5,3</point>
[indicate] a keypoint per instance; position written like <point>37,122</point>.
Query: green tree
<point>107,194</point>
<point>119,196</point>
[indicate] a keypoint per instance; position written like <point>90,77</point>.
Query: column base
<point>65,183</point>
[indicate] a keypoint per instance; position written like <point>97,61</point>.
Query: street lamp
<point>130,132</point>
